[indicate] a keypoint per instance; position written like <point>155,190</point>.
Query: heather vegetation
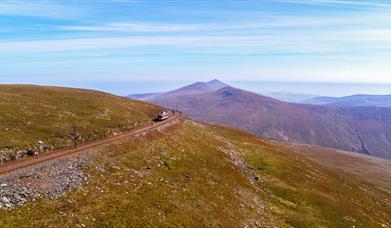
<point>199,175</point>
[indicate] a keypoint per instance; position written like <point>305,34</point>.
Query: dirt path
<point>15,166</point>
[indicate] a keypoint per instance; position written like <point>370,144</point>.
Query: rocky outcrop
<point>11,154</point>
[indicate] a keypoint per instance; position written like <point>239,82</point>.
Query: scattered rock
<point>5,199</point>
<point>13,196</point>
<point>30,152</point>
<point>50,180</point>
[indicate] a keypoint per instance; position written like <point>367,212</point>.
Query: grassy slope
<point>32,113</point>
<point>369,170</point>
<point>190,183</point>
<point>184,178</point>
<point>305,194</point>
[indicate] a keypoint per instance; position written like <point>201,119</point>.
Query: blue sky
<point>119,41</point>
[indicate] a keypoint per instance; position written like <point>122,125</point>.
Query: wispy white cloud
<point>149,27</point>
<point>41,8</point>
<point>372,3</point>
<point>168,27</point>
<point>319,42</point>
<point>112,33</point>
<point>267,22</point>
<point>121,42</point>
<point>124,1</point>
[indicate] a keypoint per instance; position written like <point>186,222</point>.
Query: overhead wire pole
<point>74,135</point>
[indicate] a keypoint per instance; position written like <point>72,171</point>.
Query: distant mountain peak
<point>195,88</point>
<point>217,82</point>
<point>200,87</point>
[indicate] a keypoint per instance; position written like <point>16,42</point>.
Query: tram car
<point>162,116</point>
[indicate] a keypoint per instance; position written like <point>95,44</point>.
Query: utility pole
<point>74,135</point>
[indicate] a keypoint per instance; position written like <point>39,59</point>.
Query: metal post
<point>74,135</point>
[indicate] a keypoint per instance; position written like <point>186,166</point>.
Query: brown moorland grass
<point>372,171</point>
<point>182,177</point>
<point>31,113</point>
<point>177,178</point>
<point>306,194</point>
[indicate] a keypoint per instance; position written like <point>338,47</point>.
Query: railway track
<point>17,165</point>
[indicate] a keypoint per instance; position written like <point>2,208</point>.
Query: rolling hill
<point>190,174</point>
<point>360,129</point>
<point>355,100</point>
<point>198,175</point>
<point>29,114</point>
<point>371,171</point>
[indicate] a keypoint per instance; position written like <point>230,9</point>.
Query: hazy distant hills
<point>290,97</point>
<point>143,96</point>
<point>360,129</point>
<point>355,100</point>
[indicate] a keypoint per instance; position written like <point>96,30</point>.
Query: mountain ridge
<point>359,129</point>
<point>194,88</point>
